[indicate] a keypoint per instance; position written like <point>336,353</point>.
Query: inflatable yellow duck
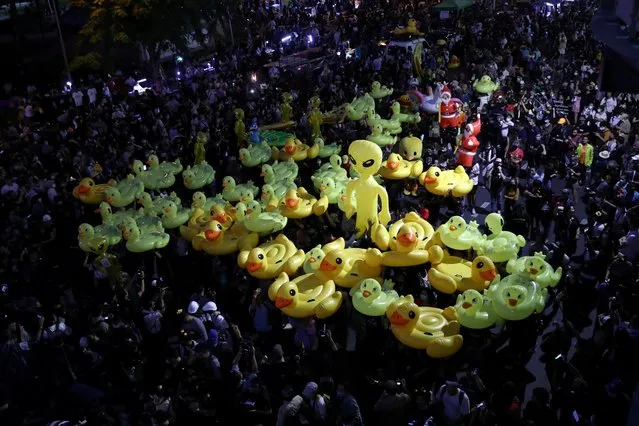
<point>443,182</point>
<point>432,329</point>
<point>216,240</point>
<point>454,273</point>
<point>410,148</point>
<point>89,193</point>
<point>396,168</point>
<point>410,28</point>
<point>305,296</point>
<point>347,267</point>
<point>293,149</point>
<point>272,258</point>
<point>407,239</point>
<point>298,204</point>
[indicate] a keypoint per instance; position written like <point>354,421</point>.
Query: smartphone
<point>560,356</point>
<point>5,288</point>
<point>575,416</point>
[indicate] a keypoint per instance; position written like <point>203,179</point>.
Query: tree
<point>155,25</point>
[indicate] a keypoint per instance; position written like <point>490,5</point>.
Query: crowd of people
<point>180,337</point>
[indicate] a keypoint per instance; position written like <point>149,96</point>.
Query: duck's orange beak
<point>262,174</point>
<point>221,217</point>
<point>430,179</point>
<point>253,266</point>
<point>290,150</point>
<point>533,271</point>
<point>452,228</point>
<point>323,187</point>
<point>312,260</point>
<point>212,235</point>
<point>488,275</point>
<point>291,203</point>
<point>512,302</point>
<point>392,165</point>
<point>249,211</point>
<point>327,266</point>
<point>81,234</point>
<point>366,293</point>
<point>188,181</point>
<point>281,302</point>
<point>466,305</point>
<point>83,189</point>
<point>167,210</point>
<point>407,238</point>
<point>397,319</point>
<point>224,184</point>
<point>109,200</point>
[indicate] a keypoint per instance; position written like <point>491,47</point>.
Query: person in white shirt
<point>475,171</point>
<point>455,401</point>
<point>106,92</point>
<point>77,97</point>
<point>92,93</point>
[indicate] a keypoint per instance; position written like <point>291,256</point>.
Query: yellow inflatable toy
<point>98,239</point>
<point>458,235</point>
<point>138,242</point>
<point>407,239</point>
<point>293,149</point>
<point>196,224</point>
<point>313,259</point>
<point>378,91</point>
<point>270,259</point>
<point>199,150</point>
<point>217,241</point>
<point>89,193</point>
<point>404,118</point>
<point>500,246</point>
<point>366,158</point>
<point>255,220</point>
<point>443,182</point>
<point>348,266</point>
<point>298,204</point>
<point>124,192</point>
<point>173,167</point>
<point>240,127</point>
<point>432,329</point>
<point>454,273</point>
<point>305,296</point>
<point>232,191</point>
<point>454,62</point>
<point>268,199</point>
<point>315,119</point>
<point>410,28</point>
<point>396,168</point>
<point>285,107</point>
<point>321,150</point>
<point>173,217</point>
<point>410,148</point>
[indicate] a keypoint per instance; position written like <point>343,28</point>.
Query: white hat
<point>193,307</point>
<point>635,157</point>
<point>46,218</point>
<point>604,154</point>
<point>209,307</point>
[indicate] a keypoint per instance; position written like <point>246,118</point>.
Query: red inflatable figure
<point>450,112</point>
<point>469,143</point>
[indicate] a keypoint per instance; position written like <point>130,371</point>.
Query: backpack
<point>460,395</point>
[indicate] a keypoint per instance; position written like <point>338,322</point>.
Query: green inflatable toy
<point>357,109</point>
<point>124,192</point>
<point>378,91</point>
<point>232,191</point>
<point>173,216</point>
<point>172,167</point>
<point>380,137</point>
<point>321,150</point>
<point>138,241</point>
<point>255,220</point>
<point>153,178</point>
<point>369,298</point>
<point>313,259</point>
<point>97,240</point>
<point>279,170</point>
<point>475,311</point>
<point>485,85</point>
<point>500,246</point>
<point>255,154</point>
<point>198,176</point>
<point>515,298</point>
<point>200,201</point>
<point>535,268</point>
<point>404,118</point>
<point>391,126</point>
<point>275,138</point>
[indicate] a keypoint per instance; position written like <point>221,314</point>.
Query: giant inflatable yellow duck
<point>298,204</point>
<point>89,193</point>
<point>305,296</point>
<point>347,267</point>
<point>395,168</point>
<point>443,182</point>
<point>216,240</point>
<point>432,329</point>
<point>272,258</point>
<point>454,273</point>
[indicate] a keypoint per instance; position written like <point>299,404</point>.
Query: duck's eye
<point>260,256</point>
<point>368,163</point>
<point>480,265</point>
<point>90,183</point>
<point>531,264</point>
<point>436,174</point>
<point>541,268</point>
<point>364,285</point>
<point>219,226</point>
<point>374,289</point>
<point>415,153</point>
<point>411,315</point>
<point>291,292</point>
<point>521,296</point>
<point>508,294</point>
<point>352,160</point>
<point>338,260</point>
<point>474,300</point>
<point>501,220</point>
